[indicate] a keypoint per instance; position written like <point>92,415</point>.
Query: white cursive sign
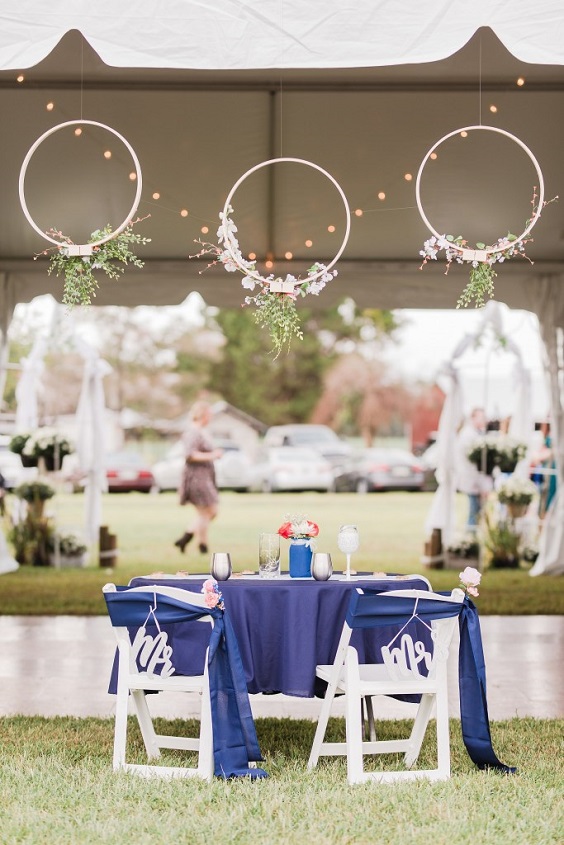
<point>404,661</point>
<point>150,652</point>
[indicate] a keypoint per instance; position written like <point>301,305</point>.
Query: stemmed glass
<point>347,541</point>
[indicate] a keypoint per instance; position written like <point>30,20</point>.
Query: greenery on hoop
<point>482,273</point>
<point>275,311</point>
<point>80,284</point>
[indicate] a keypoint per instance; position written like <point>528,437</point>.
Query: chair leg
<point>205,751</point>
<point>443,737</point>
<point>324,714</point>
<point>353,718</point>
<point>145,724</point>
<point>422,717</point>
<point>120,728</point>
<point>370,718</point>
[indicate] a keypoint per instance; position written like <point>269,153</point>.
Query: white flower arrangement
<point>275,301</point>
<point>516,491</point>
<point>481,259</point>
<point>501,450</point>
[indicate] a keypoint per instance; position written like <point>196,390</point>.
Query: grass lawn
<point>58,786</point>
<point>390,526</point>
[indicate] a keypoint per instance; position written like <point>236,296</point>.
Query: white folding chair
<point>156,656</point>
<point>399,674</point>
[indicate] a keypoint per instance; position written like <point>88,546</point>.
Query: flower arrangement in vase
<point>301,532</point>
<point>517,493</point>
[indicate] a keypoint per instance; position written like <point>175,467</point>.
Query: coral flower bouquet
<point>298,528</point>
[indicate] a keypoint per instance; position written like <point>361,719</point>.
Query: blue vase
<point>300,559</point>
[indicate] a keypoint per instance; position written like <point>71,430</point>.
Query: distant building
<point>427,409</point>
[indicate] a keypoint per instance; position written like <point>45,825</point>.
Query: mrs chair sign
<point>407,669</point>
<point>144,620</point>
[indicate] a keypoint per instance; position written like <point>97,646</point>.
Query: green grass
<point>57,785</point>
<point>390,525</point>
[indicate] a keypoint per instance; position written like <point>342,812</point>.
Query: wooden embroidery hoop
<point>80,249</point>
<point>481,254</point>
<point>276,285</point>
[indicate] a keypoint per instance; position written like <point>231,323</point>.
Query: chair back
<point>424,622</point>
<point>144,610</point>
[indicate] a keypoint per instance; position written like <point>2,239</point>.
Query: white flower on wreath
<point>249,283</point>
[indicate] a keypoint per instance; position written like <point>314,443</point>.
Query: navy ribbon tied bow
<point>234,735</point>
<point>369,609</point>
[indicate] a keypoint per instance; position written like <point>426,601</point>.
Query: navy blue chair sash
<point>370,609</point>
<point>234,735</point>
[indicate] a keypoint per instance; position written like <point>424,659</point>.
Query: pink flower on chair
<point>212,595</point>
<point>469,580</point>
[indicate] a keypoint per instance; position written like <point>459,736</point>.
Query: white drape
<point>90,442</point>
<point>550,309</point>
<point>224,34</point>
<point>27,417</point>
<point>441,513</point>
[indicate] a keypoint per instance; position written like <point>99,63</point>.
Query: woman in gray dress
<point>197,486</point>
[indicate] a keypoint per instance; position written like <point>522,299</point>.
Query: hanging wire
<point>480,81</point>
<point>81,76</point>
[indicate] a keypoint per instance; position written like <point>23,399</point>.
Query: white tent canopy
<point>279,33</point>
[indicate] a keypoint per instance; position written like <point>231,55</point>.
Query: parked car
<point>381,469</point>
<point>125,472</point>
<point>232,470</point>
<point>319,437</point>
<point>291,468</point>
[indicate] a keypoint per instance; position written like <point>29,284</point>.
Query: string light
<point>156,195</point>
<point>493,109</point>
<point>107,154</point>
<point>381,195</point>
<point>184,212</point>
<point>309,243</point>
<point>50,106</point>
<point>269,264</point>
<point>358,212</point>
<point>464,134</point>
<point>204,230</point>
<point>133,177</point>
<point>520,81</point>
<point>408,177</point>
<point>288,255</point>
<point>330,228</point>
<point>78,131</point>
<point>433,156</point>
<point>20,78</point>
<point>252,256</point>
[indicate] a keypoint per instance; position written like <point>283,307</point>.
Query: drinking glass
<point>269,555</point>
<point>347,541</point>
<point>221,566</point>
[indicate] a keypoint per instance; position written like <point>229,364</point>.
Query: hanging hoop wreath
<point>275,302</point>
<point>78,261</point>
<point>482,274</point>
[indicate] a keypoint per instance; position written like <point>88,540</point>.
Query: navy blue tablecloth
<point>284,627</point>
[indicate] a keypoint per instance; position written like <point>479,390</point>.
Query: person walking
<point>197,486</point>
<point>469,479</point>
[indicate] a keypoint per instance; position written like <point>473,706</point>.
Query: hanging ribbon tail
<point>473,702</point>
<point>235,741</point>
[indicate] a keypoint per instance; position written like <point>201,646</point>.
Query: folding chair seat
<point>408,668</point>
<point>154,653</point>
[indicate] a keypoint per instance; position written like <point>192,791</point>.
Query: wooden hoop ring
<point>227,235</point>
<point>523,146</point>
<point>83,249</point>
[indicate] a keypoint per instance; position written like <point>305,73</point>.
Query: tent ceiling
<point>197,131</point>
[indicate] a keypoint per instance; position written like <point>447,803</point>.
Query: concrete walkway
<point>60,666</point>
